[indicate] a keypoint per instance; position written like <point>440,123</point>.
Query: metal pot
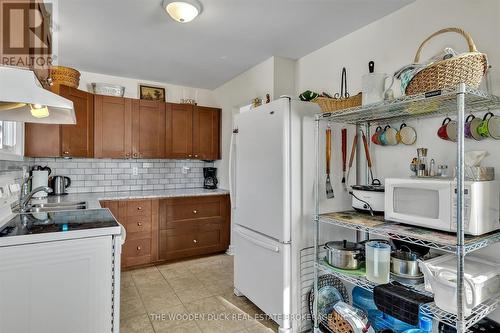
<point>405,264</point>
<point>344,254</point>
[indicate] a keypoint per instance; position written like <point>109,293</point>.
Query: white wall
<point>391,42</point>
<point>174,92</point>
<point>256,82</point>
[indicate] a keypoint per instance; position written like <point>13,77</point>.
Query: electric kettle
<point>59,184</point>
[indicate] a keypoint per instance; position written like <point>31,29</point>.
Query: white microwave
<point>432,203</point>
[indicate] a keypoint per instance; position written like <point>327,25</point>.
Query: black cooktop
<point>41,223</point>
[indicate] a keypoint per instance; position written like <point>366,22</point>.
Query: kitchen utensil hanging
<point>351,158</point>
<point>328,186</point>
<point>344,153</point>
<point>369,159</point>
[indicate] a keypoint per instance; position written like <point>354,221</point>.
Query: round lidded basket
<point>338,324</point>
<point>468,68</point>
<point>66,76</point>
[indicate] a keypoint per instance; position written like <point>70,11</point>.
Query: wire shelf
<point>420,236</point>
<point>430,310</point>
<point>431,104</point>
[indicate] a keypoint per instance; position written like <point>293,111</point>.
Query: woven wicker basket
<point>336,104</point>
<point>467,68</point>
<point>66,76</point>
<point>338,324</point>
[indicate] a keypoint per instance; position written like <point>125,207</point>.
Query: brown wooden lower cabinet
<point>172,228</point>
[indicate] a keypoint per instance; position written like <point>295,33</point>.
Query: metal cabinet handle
<point>190,155</point>
<point>195,241</point>
<point>138,248</point>
<point>139,224</point>
<point>127,154</point>
<point>66,153</point>
<point>195,155</point>
<point>195,211</point>
<point>139,208</point>
<point>135,155</point>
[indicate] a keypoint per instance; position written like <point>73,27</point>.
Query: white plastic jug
<point>444,287</point>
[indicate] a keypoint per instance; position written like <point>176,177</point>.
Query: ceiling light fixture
<point>182,11</point>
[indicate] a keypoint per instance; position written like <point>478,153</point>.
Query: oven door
<point>422,202</point>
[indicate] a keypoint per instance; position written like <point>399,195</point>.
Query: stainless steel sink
<point>56,206</point>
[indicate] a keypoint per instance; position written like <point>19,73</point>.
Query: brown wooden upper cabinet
<point>112,126</point>
<point>44,140</point>
<point>78,140</point>
<point>129,128</point>
<point>192,132</point>
<point>148,129</point>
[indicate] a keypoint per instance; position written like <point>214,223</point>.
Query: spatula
<point>329,188</point>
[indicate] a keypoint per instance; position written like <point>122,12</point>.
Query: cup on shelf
<point>388,136</point>
<point>376,135</point>
<point>490,126</point>
<point>470,128</point>
<point>406,135</point>
<point>448,130</point>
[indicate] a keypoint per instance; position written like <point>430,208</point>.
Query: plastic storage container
<point>481,280</point>
<point>425,325</point>
<point>378,261</point>
<point>363,299</point>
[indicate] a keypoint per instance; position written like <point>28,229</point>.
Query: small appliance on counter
<point>210,175</point>
<point>40,177</point>
<point>431,203</point>
<point>59,184</point>
<point>368,198</point>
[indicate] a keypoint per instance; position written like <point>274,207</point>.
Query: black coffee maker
<point>210,175</point>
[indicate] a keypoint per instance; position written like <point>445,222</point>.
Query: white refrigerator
<point>272,191</point>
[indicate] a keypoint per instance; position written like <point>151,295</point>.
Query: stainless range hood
<point>23,99</point>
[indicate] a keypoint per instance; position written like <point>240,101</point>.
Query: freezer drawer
<point>262,272</point>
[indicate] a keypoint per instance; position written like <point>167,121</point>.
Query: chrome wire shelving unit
<point>458,101</point>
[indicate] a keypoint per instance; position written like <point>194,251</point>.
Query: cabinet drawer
<point>139,208</point>
<point>137,248</point>
<point>138,224</point>
<point>188,241</point>
<point>195,210</point>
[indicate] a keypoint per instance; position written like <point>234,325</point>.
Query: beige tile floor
<point>192,296</point>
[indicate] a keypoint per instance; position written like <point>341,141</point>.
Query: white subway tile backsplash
<point>105,175</point>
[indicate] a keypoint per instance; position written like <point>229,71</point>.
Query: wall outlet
<point>135,171</point>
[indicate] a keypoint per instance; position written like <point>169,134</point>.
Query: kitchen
<point>180,278</point>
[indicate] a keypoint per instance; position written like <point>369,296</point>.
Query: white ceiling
<point>136,38</point>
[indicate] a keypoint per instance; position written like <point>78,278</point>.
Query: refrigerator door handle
<point>257,242</point>
<point>232,151</point>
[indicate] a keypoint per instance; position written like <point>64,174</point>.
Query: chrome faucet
<point>25,198</point>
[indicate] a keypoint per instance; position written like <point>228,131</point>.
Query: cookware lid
<point>372,188</point>
<point>344,245</point>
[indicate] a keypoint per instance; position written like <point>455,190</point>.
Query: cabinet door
<point>113,127</point>
<point>148,129</point>
<point>179,131</point>
<point>78,140</point>
<point>206,133</point>
<point>62,286</point>
<point>42,140</point>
